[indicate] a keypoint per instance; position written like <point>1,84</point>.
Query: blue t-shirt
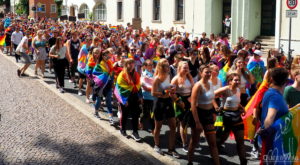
<point>273,99</point>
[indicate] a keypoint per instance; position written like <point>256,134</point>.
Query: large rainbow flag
<point>102,73</point>
<point>257,68</point>
<point>222,74</point>
<point>2,40</point>
<point>281,141</point>
<point>82,59</point>
<point>254,102</point>
<point>124,87</point>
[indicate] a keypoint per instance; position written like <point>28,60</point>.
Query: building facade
<point>250,18</point>
<point>44,8</point>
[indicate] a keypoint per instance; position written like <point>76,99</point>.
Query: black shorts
<point>163,109</point>
<point>73,67</point>
<point>81,76</point>
<point>232,120</point>
<point>206,117</point>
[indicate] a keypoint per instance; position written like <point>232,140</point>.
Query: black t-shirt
<point>194,67</point>
<point>74,48</point>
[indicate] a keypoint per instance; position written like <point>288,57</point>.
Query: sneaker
<point>174,154</point>
<point>23,74</point>
<point>19,72</point>
<point>185,148</point>
<point>111,121</point>
<point>87,101</point>
<point>80,93</point>
<point>136,136</point>
<point>158,150</point>
<point>91,97</point>
<point>70,81</point>
<point>123,132</point>
<point>254,155</point>
<point>35,73</point>
<point>61,90</point>
<point>96,114</point>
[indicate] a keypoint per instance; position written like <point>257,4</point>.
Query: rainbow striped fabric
<point>222,74</point>
<point>102,73</point>
<point>281,142</point>
<point>2,40</point>
<point>90,66</point>
<point>82,59</point>
<point>254,102</point>
<point>124,87</point>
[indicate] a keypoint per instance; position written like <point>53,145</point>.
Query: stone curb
<point>142,148</point>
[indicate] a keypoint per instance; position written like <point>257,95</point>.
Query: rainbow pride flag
<point>281,141</point>
<point>114,28</point>
<point>124,87</point>
<point>222,74</point>
<point>2,40</point>
<point>90,66</point>
<point>102,73</point>
<point>254,102</point>
<point>82,59</point>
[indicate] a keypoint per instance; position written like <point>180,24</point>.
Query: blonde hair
<point>180,65</point>
<point>159,67</point>
<point>295,63</point>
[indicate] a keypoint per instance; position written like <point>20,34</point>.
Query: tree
<point>22,7</point>
<point>59,5</point>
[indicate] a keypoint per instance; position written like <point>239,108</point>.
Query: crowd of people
<point>158,76</point>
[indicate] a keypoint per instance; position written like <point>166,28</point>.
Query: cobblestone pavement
<point>37,127</point>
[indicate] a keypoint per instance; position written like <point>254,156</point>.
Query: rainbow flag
<point>257,68</point>
<point>281,141</point>
<point>2,40</point>
<point>222,74</point>
<point>114,28</point>
<point>82,59</point>
<point>124,87</point>
<point>102,73</point>
<point>254,102</point>
<point>90,66</point>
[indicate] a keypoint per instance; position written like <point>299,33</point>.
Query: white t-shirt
<point>165,42</point>
<point>61,52</point>
<point>16,37</point>
<point>20,46</point>
<point>227,22</point>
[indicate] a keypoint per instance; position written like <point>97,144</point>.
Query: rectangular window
<point>53,8</point>
<point>179,10</point>
<point>42,8</point>
<point>120,10</point>
<point>64,10</point>
<point>156,10</point>
<point>137,9</point>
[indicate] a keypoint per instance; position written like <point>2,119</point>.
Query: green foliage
<point>59,6</point>
<point>91,14</point>
<point>22,7</point>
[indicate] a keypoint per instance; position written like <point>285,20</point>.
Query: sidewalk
<point>146,146</point>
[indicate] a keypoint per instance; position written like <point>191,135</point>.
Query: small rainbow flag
<point>124,87</point>
<point>90,66</point>
<point>281,141</point>
<point>114,28</point>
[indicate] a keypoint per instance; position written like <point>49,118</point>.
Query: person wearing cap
<point>257,67</point>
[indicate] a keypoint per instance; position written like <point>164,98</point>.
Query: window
<point>64,10</point>
<point>100,12</point>
<point>53,8</point>
<point>137,10</point>
<point>179,15</point>
<point>84,9</point>
<point>156,10</point>
<point>120,10</point>
<point>42,8</point>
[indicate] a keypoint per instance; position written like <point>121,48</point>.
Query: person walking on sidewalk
<point>73,46</point>
<point>23,49</point>
<point>129,94</point>
<point>58,54</point>
<point>16,38</point>
<point>39,45</point>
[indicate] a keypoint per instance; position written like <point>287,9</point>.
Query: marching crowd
<point>157,75</point>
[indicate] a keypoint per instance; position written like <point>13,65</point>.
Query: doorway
<point>226,11</point>
<point>268,17</point>
<point>72,11</point>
